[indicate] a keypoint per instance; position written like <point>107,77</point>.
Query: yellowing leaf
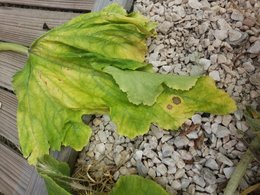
<point>93,64</point>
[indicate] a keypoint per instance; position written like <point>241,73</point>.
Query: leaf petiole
<point>13,47</point>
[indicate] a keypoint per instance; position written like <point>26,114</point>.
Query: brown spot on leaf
<point>176,100</point>
<point>169,106</point>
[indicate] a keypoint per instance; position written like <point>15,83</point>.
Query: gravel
<point>194,38</point>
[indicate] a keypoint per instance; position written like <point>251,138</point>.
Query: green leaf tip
<point>136,185</point>
<point>94,64</point>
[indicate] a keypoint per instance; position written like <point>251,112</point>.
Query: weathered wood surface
<point>10,63</point>
<point>15,173</point>
<point>8,116</point>
<point>18,177</point>
<point>25,25</point>
<point>99,4</point>
<point>62,4</point>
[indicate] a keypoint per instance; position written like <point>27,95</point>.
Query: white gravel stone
<point>165,138</point>
<point>249,67</point>
<point>138,155</point>
<point>180,11</point>
<point>223,25</point>
<point>141,168</point>
<point>176,184</point>
<point>222,131</point>
<point>237,15</point>
<point>172,170</point>
<point>168,161</point>
<point>241,125</point>
<point>102,136</point>
<point>185,183</point>
<point>212,164</point>
<point>234,35</point>
<point>181,141</point>
<point>215,75</point>
<point>209,176</point>
<point>255,48</point>
<point>199,181</point>
<point>238,114</point>
<point>220,34</point>
<point>228,171</point>
<point>203,27</point>
<point>167,150</point>
<point>196,70</point>
<point>100,148</point>
<point>222,59</point>
<point>192,135</point>
<point>180,164</point>
<point>211,188</point>
<point>152,173</point>
<point>179,173</point>
<point>223,159</point>
<point>205,63</point>
<point>226,120</point>
<point>165,27</point>
<point>185,155</point>
<point>96,122</point>
<point>196,119</point>
<point>195,4</point>
<point>161,169</point>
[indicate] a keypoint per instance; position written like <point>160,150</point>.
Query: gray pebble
<point>161,169</point>
<point>212,164</point>
<point>228,171</point>
<point>181,141</point>
<point>199,181</point>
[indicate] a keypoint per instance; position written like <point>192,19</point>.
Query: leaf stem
<point>13,47</point>
<point>239,172</point>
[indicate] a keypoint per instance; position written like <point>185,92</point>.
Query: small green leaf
<point>136,185</point>
<point>55,175</point>
<point>144,87</point>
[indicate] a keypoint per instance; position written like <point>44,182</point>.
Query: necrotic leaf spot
<point>176,100</point>
<point>169,106</point>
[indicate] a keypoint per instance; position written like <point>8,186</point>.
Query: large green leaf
<point>93,64</point>
<point>136,185</point>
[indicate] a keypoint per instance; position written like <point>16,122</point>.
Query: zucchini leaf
<point>94,64</point>
<point>136,185</point>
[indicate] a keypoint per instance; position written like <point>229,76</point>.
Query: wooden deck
<point>22,21</point>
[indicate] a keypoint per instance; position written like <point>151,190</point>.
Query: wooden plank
<point>62,4</point>
<point>25,25</point>
<point>22,26</point>
<point>15,173</point>
<point>10,63</point>
<point>100,4</point>
<point>8,116</point>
